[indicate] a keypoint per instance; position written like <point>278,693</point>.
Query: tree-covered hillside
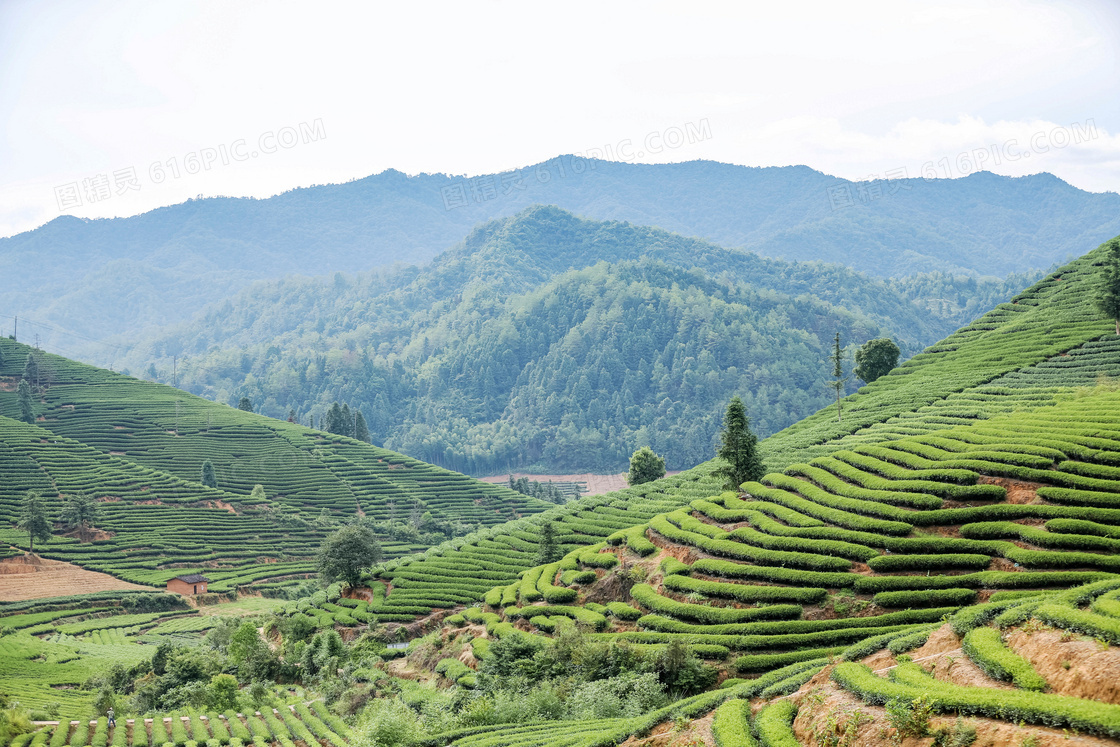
<point>168,263</point>
<point>139,452</point>
<point>550,340</point>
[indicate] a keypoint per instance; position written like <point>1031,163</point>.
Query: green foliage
<point>985,647</point>
<point>911,683</point>
<point>738,447</point>
<point>347,553</point>
<point>876,358</point>
<point>548,550</point>
<point>208,477</point>
<point>731,725</point>
<point>80,512</point>
<point>836,357</point>
<point>774,724</point>
<point>33,519</point>
<point>26,408</point>
<point>645,466</point>
<point>1108,296</point>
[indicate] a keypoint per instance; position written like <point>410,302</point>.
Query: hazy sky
<point>119,104</point>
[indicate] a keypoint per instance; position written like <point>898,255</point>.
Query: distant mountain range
<point>163,266</point>
<point>548,340</point>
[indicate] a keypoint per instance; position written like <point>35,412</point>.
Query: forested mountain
<point>163,266</point>
<point>553,341</point>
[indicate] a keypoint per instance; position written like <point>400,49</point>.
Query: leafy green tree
<point>208,478</point>
<point>838,378</point>
<point>548,550</point>
<point>33,519</point>
<point>876,358</point>
<point>257,495</point>
<point>223,692</point>
<point>244,643</point>
<point>739,448</point>
<point>26,408</point>
<point>80,512</point>
<point>1108,300</point>
<point>361,430</point>
<point>645,466</point>
<point>348,552</point>
<point>245,404</point>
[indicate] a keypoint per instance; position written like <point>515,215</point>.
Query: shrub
<point>930,598</point>
<point>986,649</point>
<point>774,724</point>
<point>731,725</point>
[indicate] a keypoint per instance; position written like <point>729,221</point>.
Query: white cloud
<point>91,87</point>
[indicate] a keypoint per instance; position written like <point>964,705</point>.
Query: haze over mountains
<point>546,339</point>
<point>163,266</point>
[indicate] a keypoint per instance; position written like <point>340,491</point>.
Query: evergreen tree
<point>208,478</point>
<point>26,408</point>
<point>347,422</point>
<point>838,378</point>
<point>334,422</point>
<point>548,550</point>
<point>1108,300</point>
<point>876,358</point>
<point>361,430</point>
<point>31,371</point>
<point>33,520</point>
<point>291,416</point>
<point>80,512</point>
<point>739,448</point>
<point>245,404</point>
<point>645,466</point>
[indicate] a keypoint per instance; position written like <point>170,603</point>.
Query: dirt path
<point>31,577</point>
<point>596,484</point>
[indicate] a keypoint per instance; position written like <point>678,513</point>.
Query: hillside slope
<point>169,262</point>
<point>1000,363</point>
<point>138,448</point>
<point>550,340</point>
<point>1011,521</point>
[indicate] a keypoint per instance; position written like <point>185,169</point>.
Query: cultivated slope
<point>848,555</point>
<point>1006,360</point>
<point>139,447</point>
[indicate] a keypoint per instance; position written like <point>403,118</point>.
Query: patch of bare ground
<point>31,577</point>
<point>666,734</point>
<point>825,711</point>
<point>228,507</point>
<point>596,484</point>
<point>1071,665</point>
<point>1018,491</point>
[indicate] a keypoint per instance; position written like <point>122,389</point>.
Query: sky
<point>116,108</point>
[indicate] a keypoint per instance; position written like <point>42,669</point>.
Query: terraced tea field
<point>306,725</point>
<point>138,448</point>
<point>1011,519</point>
<point>1048,342</point>
<point>973,372</point>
